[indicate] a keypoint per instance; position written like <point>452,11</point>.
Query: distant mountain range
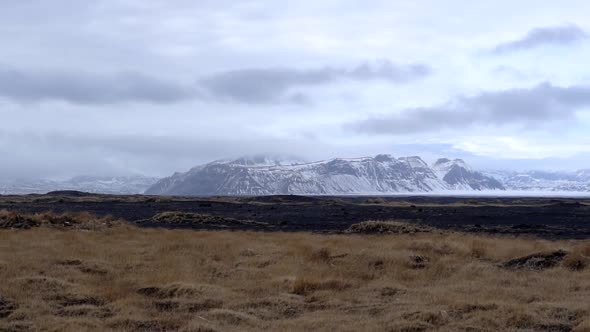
<point>264,175</point>
<point>382,174</point>
<point>121,185</point>
<point>544,181</point>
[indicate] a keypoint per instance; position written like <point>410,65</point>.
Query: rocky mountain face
<point>382,174</point>
<point>459,176</point>
<point>122,185</point>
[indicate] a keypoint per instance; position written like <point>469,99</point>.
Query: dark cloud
<point>272,85</point>
<point>86,88</point>
<point>558,35</point>
<point>254,86</point>
<point>536,105</point>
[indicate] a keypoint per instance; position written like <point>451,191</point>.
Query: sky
<point>151,87</point>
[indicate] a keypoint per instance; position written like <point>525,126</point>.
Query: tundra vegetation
<point>77,272</point>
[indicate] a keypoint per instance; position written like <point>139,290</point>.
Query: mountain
<point>270,175</point>
<point>382,174</point>
<point>264,160</point>
<point>544,181</point>
<point>459,176</point>
<point>110,185</point>
<point>119,185</point>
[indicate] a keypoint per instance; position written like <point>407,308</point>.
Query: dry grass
<point>129,279</point>
<point>388,227</point>
<point>81,220</point>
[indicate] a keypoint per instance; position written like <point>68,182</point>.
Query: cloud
<point>273,85</point>
<point>531,106</point>
<point>557,35</point>
<point>69,154</point>
<point>252,86</point>
<point>86,88</point>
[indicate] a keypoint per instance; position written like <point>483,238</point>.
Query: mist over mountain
<point>117,185</point>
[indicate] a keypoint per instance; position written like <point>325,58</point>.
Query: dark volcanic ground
<point>545,217</point>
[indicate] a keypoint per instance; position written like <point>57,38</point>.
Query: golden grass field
<point>122,278</point>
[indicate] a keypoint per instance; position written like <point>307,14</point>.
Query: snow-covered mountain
<point>270,175</point>
<point>121,185</point>
<point>544,181</point>
<point>382,174</point>
<point>459,176</point>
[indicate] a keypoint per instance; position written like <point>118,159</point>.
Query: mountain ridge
<point>382,174</point>
<point>273,175</point>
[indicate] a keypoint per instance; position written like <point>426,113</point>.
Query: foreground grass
<point>129,279</point>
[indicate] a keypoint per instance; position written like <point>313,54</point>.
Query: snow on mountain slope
<point>264,160</point>
<point>382,174</point>
<point>444,165</point>
<point>544,181</point>
<point>269,175</point>
<point>459,176</point>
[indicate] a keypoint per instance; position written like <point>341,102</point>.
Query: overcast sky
<point>152,87</point>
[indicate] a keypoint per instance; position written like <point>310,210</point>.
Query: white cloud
<point>509,147</point>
